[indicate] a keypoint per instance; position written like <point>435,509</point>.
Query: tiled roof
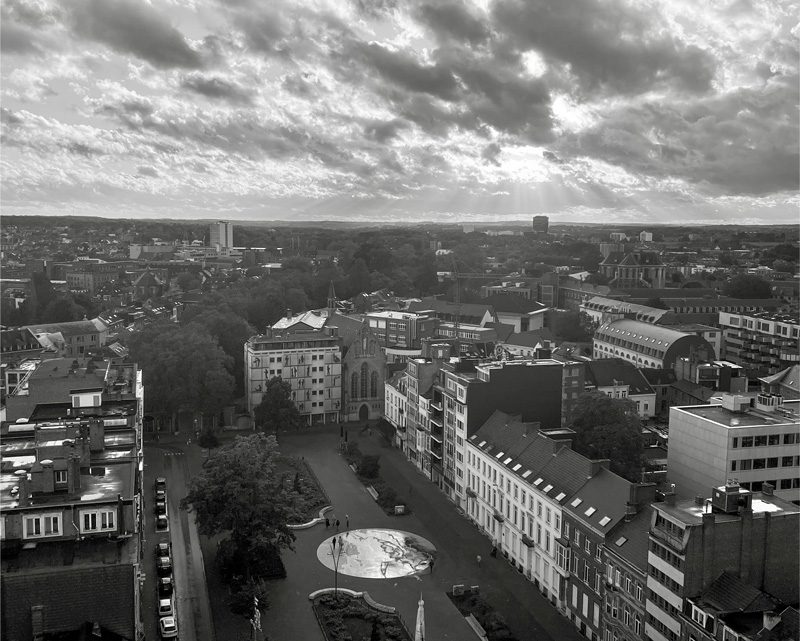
<point>531,338</point>
<point>728,593</point>
<point>601,502</point>
<point>788,629</point>
<point>18,339</point>
<point>446,307</point>
<point>73,328</point>
<point>658,376</point>
<point>630,540</point>
<point>616,371</point>
<point>699,392</point>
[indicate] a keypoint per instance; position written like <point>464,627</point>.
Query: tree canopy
<point>277,409</point>
<point>576,326</point>
<point>610,428</point>
<point>241,492</point>
<point>747,286</point>
<point>183,368</point>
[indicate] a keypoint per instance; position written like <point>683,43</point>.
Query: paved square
<point>377,553</point>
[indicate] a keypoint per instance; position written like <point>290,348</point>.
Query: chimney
<point>48,477</point>
<point>21,478</point>
<point>74,473</point>
<point>767,489</point>
<point>669,497</point>
<point>120,515</point>
<point>597,464</point>
<point>96,435</point>
<point>288,314</point>
<point>771,619</point>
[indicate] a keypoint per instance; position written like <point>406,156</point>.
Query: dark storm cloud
<point>217,88</point>
<point>405,71</point>
<point>549,155</point>
<point>82,149</point>
<point>453,20</point>
<point>383,131</point>
<point>744,142</point>
<point>491,152</point>
<point>606,45</point>
<point>134,28</point>
<point>145,170</point>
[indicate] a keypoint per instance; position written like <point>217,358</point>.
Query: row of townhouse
<point>622,561</point>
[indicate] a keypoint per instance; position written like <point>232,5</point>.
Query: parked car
<point>161,495</point>
<point>161,507</point>
<point>161,522</point>
<point>165,585</point>
<point>163,566</point>
<point>168,627</point>
<point>163,549</point>
<point>161,483</point>
<point>165,608</point>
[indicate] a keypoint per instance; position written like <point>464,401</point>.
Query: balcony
<point>436,405</point>
<point>472,493</point>
<point>498,517</point>
<point>528,541</point>
<point>673,541</point>
<point>436,437</point>
<point>436,421</point>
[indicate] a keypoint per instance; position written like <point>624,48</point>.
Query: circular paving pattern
<point>377,553</point>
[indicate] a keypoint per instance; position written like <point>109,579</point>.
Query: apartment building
<point>762,343</point>
<point>755,440</point>
<point>70,508</point>
<point>518,479</point>
<point>618,378</point>
<point>72,338</point>
<point>647,345</point>
<point>221,236</point>
<point>466,394</point>
<point>311,361</point>
<point>754,536</point>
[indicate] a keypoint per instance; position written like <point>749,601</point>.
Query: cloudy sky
<point>393,110</point>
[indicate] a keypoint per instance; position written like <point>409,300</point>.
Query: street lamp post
<point>336,553</point>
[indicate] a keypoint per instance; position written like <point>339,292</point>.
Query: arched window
<point>354,385</point>
<point>373,385</point>
<point>372,348</point>
<point>364,380</point>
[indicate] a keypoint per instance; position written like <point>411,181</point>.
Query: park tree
<point>241,494</point>
<point>184,368</point>
<point>747,286</point>
<point>61,310</point>
<point>187,281</point>
<point>609,428</point>
<point>576,326</point>
<point>277,409</point>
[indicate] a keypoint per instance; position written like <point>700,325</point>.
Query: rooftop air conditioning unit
<point>735,403</point>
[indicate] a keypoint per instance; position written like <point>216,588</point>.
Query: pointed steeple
<point>331,300</point>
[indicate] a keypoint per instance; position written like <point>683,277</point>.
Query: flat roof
<point>750,418</point>
<point>691,513</point>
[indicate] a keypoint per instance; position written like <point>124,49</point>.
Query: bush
<point>369,467</point>
<point>242,600</point>
<point>208,438</point>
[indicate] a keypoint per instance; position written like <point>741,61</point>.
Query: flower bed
<point>343,618</point>
<point>492,623</point>
<point>305,491</point>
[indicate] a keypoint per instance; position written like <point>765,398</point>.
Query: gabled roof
<point>311,319</point>
<point>531,338</point>
<point>601,502</point>
<point>476,310</point>
<point>503,332</point>
<point>72,328</point>
<point>18,340</point>
<point>789,377</point>
<point>728,593</point>
<point>658,376</point>
<point>787,629</point>
<point>630,540</point>
<point>607,372</point>
<point>512,303</point>
<point>694,390</point>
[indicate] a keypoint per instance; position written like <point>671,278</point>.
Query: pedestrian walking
<point>431,566</point>
<point>479,560</point>
<point>337,525</point>
<point>494,552</point>
<point>347,520</point>
<point>327,522</point>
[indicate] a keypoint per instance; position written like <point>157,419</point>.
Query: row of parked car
<point>167,623</point>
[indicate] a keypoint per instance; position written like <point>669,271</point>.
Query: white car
<point>168,627</point>
<point>165,608</point>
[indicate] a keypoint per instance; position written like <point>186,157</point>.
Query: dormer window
<point>60,477</point>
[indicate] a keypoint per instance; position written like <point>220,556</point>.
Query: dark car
<point>165,585</point>
<point>161,507</point>
<point>161,483</point>
<point>162,523</point>
<point>161,495</point>
<point>163,549</point>
<point>164,566</point>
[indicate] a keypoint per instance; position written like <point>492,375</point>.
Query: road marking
<point>173,453</point>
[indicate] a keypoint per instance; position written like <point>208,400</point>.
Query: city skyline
<point>400,111</point>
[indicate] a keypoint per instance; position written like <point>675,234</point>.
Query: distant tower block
<point>221,235</point>
<point>541,224</point>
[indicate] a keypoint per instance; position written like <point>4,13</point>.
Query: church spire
<point>331,300</point>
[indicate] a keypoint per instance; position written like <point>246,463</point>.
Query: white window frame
<point>60,476</point>
<point>102,523</point>
<point>43,519</point>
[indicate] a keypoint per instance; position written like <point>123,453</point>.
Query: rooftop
<point>689,512</point>
<point>750,418</point>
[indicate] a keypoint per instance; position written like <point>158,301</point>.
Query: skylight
<point>537,481</point>
<point>482,443</point>
<point>620,541</point>
<point>548,488</point>
<point>560,496</point>
<point>576,502</point>
<point>499,454</point>
<point>507,461</point>
<point>527,474</point>
<point>590,511</point>
<point>516,467</point>
<point>605,521</point>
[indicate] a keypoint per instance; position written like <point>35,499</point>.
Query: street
<point>192,609</point>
